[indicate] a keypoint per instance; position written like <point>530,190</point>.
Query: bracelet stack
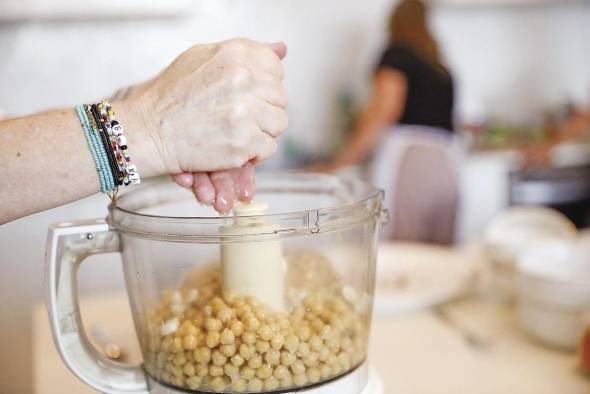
<point>108,145</point>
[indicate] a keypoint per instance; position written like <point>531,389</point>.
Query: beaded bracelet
<point>91,143</point>
<point>111,123</point>
<point>108,147</point>
<point>117,176</point>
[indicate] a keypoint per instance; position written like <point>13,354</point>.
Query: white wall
<point>508,61</point>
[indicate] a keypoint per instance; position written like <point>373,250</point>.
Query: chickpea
<point>179,360</point>
<point>300,380</point>
<point>217,303</point>
<point>227,337</point>
<point>247,373</point>
<point>202,370</point>
<point>202,355</point>
<point>277,342</point>
<point>272,357</point>
<point>313,375</point>
<point>311,360</point>
<point>176,346</point>
<point>237,328</point>
<point>246,351</point>
<point>218,384</point>
<point>216,371</point>
<point>178,380</point>
<point>264,371</point>
<point>176,370</point>
<point>297,367</point>
<point>249,338</point>
<point>287,381</point>
<point>291,343</point>
<point>187,328</point>
<point>302,349</point>
<point>271,384</point>
<point>265,332</point>
<point>255,385</point>
<point>252,323</point>
<point>323,354</point>
<point>228,350</point>
<point>280,372</point>
<point>218,358</point>
<point>288,358</point>
<point>303,332</point>
<point>333,343</point>
<point>325,371</point>
<point>213,324</point>
<point>237,360</point>
<point>189,342</point>
<point>225,314</point>
<point>336,369</point>
<point>239,385</point>
<point>344,360</point>
<point>231,370</point>
<point>193,382</point>
<point>255,361</point>
<point>262,346</point>
<point>213,338</point>
<point>189,369</point>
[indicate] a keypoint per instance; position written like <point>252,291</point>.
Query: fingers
<point>271,119</point>
<point>185,179</point>
<point>268,89</point>
<point>263,58</point>
<point>279,48</point>
<point>223,183</point>
<point>244,185</point>
<point>203,188</point>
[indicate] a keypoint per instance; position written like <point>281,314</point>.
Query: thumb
<point>280,48</point>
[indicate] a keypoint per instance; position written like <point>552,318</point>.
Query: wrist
<point>134,117</point>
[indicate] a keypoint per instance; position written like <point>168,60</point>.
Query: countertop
<point>417,352</point>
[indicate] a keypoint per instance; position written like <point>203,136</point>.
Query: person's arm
<point>45,161</point>
<point>385,108</point>
<point>215,108</point>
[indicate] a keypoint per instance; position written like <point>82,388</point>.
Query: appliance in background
<point>565,189</point>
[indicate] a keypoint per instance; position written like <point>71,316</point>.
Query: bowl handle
<point>68,244</point>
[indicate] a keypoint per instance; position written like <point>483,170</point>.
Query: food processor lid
<point>300,203</point>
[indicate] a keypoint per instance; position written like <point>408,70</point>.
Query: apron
<point>418,168</point>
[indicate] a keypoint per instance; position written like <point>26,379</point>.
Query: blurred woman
<point>409,117</point>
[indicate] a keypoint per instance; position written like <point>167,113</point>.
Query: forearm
<point>45,161</point>
<point>362,141</point>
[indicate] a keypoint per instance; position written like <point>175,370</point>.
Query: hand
<point>220,188</point>
<point>216,107</point>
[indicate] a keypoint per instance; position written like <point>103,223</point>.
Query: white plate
<point>415,276</point>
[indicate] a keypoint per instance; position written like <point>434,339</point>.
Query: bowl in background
<point>514,231</point>
<point>553,292</point>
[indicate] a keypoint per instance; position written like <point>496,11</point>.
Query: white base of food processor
<point>351,383</point>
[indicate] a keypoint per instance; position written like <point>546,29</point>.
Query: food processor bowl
<point>276,297</point>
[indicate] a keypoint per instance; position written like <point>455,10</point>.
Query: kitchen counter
<point>421,352</point>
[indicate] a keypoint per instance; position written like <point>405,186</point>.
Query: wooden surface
<point>471,346</point>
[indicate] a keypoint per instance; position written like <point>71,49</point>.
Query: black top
<point>430,96</point>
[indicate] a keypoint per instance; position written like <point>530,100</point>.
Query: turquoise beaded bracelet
<point>97,151</point>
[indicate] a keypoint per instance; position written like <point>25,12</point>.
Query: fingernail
<point>206,195</point>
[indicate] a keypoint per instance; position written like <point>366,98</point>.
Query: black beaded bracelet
<point>117,176</point>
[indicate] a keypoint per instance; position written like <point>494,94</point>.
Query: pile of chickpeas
<point>203,338</point>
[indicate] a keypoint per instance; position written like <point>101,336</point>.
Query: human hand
<point>215,108</point>
<point>220,188</point>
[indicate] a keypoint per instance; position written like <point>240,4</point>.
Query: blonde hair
<point>408,26</point>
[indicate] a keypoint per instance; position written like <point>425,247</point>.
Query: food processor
<point>274,298</point>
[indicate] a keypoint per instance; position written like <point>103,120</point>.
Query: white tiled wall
<point>508,61</point>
